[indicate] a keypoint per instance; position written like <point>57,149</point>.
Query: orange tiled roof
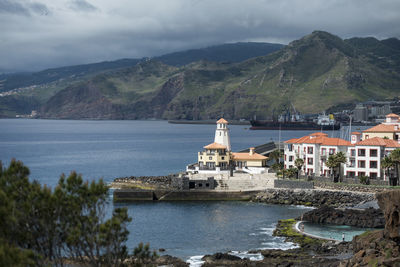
<point>215,146</point>
<point>391,115</point>
<point>377,141</point>
<point>321,139</point>
<point>385,128</point>
<point>318,134</point>
<point>355,133</point>
<point>222,120</point>
<point>247,156</point>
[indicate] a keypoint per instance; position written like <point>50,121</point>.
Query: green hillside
<point>314,73</point>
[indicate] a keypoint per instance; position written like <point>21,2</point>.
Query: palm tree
<point>335,161</point>
<point>395,156</point>
<point>340,159</point>
<point>299,164</point>
<point>331,164</point>
<point>386,165</point>
<point>276,155</point>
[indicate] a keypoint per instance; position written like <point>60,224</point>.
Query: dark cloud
<point>82,5</point>
<point>72,33</point>
<point>23,7</point>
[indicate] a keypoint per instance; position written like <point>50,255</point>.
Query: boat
<point>323,122</point>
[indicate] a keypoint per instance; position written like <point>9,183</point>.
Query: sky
<point>39,34</point>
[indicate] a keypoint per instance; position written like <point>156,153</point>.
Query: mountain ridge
<point>313,73</point>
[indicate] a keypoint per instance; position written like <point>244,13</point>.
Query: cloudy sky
<point>38,34</point>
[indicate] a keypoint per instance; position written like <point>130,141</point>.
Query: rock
<point>389,202</point>
<point>368,218</point>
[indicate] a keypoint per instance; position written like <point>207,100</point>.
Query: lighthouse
<point>222,134</point>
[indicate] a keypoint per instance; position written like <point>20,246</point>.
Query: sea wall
<point>315,198</point>
<point>345,180</point>
<point>123,195</point>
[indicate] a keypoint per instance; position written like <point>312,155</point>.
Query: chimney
<point>251,151</point>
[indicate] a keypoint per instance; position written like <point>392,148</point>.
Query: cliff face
<point>313,73</point>
<point>380,248</point>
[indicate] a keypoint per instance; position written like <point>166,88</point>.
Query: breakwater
<point>125,195</point>
<point>315,198</point>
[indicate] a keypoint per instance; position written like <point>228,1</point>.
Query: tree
<point>299,164</point>
<point>395,157</point>
<point>334,161</point>
<point>340,159</point>
<point>43,225</point>
<point>276,155</point>
<point>387,164</point>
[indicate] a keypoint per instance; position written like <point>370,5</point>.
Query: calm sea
<point>110,149</point>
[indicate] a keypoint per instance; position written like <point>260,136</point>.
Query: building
<point>217,157</point>
<point>364,152</point>
<point>314,149</point>
<point>388,129</point>
<point>364,157</point>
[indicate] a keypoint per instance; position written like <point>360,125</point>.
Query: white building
<point>314,149</point>
<point>364,153</point>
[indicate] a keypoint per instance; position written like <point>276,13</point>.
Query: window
<point>285,158</point>
<point>290,158</point>
<point>352,152</point>
<point>361,173</point>
<point>366,136</point>
<point>361,164</point>
<point>361,152</point>
<point>352,163</point>
<point>373,175</point>
<point>222,158</point>
<point>310,150</point>
<point>201,157</point>
<point>373,153</point>
<point>309,161</point>
<point>323,151</point>
<point>373,164</point>
<point>290,147</point>
<point>332,151</point>
<point>220,133</point>
<point>351,174</point>
<point>210,158</point>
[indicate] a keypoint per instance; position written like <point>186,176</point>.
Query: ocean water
<point>111,149</point>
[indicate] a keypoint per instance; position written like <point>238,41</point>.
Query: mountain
<point>313,74</point>
<point>236,52</point>
<point>220,53</point>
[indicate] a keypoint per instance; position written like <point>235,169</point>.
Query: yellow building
<point>389,129</point>
<point>217,156</point>
<point>250,159</point>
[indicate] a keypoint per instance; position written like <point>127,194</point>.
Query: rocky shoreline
<point>313,197</point>
<point>333,207</point>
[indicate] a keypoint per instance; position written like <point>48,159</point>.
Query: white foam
<point>247,255</point>
<point>195,261</point>
<point>279,245</point>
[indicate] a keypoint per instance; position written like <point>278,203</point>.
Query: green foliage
<point>143,255</point>
<point>41,225</point>
<point>286,228</point>
<point>299,163</point>
<point>335,161</point>
<point>364,179</point>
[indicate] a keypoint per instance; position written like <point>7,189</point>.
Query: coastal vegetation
<point>41,226</point>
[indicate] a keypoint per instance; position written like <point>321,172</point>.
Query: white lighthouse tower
<point>222,134</point>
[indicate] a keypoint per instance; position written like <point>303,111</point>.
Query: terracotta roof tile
<point>391,115</point>
<point>381,128</point>
<point>215,146</point>
<point>377,141</point>
<point>321,139</point>
<point>222,120</point>
<point>318,134</point>
<point>247,156</point>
